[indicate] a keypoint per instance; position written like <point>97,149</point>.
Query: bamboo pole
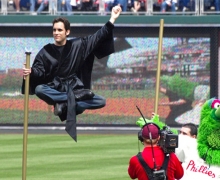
<point>26,110</point>
<point>158,66</point>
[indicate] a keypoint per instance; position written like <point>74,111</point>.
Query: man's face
<point>186,131</point>
<point>60,34</point>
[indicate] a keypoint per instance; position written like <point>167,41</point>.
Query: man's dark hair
<point>64,21</point>
<point>192,127</point>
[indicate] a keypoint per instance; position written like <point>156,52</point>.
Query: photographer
<point>154,157</point>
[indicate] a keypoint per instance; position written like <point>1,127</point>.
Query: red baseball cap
<point>150,128</point>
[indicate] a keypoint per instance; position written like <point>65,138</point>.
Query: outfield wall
<point>126,78</point>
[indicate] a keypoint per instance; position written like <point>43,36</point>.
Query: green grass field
<point>58,157</point>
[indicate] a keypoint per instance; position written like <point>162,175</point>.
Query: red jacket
<point>174,169</point>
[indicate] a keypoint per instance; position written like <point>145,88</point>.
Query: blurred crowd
<point>133,6</point>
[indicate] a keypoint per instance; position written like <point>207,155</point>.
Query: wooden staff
<point>26,110</point>
<point>158,66</point>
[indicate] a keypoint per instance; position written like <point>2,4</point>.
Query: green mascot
<point>209,132</point>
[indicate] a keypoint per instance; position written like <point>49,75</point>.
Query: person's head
<point>189,129</point>
<point>61,30</point>
<point>155,134</point>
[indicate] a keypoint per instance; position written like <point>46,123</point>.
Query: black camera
<point>168,141</point>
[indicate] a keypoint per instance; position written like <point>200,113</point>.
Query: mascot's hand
<point>155,119</point>
<point>141,122</point>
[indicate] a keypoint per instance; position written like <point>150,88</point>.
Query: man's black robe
<point>73,70</point>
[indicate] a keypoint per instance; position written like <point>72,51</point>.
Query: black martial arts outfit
<point>72,70</point>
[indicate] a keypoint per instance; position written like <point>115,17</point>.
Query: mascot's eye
<point>216,104</point>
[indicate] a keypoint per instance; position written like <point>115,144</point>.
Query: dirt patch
<point>114,106</point>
